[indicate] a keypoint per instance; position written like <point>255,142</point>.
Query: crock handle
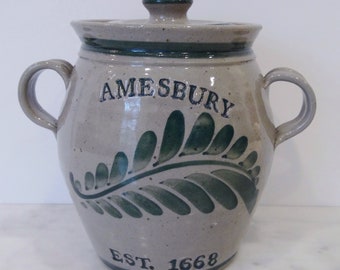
<point>27,96</point>
<point>308,109</point>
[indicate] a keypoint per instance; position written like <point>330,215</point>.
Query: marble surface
<point>51,237</point>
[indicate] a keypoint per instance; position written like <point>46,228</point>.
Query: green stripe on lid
<point>167,49</point>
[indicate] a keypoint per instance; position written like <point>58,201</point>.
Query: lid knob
<point>167,11</point>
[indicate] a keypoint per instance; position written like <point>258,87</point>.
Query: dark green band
<point>167,1</point>
<point>167,49</point>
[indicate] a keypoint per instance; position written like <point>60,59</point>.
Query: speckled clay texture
<point>165,137</point>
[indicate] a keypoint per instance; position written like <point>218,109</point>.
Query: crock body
<point>165,158</point>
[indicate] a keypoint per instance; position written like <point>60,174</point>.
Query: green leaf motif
<point>126,206</point>
<point>238,149</point>
<point>172,137</point>
<point>89,181</point>
<point>195,194</point>
<point>95,207</point>
<point>201,189</point>
<point>200,136</point>
<point>144,151</point>
<point>221,141</point>
<point>217,189</point>
<point>168,199</point>
<point>102,175</point>
<point>146,204</point>
<point>119,168</point>
<point>249,161</point>
<point>242,184</point>
<point>255,171</point>
<point>75,183</point>
<point>109,208</point>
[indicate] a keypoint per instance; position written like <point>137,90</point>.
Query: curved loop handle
<point>308,109</point>
<point>27,96</point>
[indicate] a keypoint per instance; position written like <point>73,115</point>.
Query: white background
<point>303,35</point>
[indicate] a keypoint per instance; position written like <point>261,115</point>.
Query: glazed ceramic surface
<point>165,138</point>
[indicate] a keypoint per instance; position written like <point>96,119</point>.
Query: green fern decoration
<point>201,191</point>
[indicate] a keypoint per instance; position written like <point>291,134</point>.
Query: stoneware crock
<point>165,137</point>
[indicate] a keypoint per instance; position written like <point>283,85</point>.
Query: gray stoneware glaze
<point>165,137</point>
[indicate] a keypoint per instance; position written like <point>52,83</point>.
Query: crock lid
<point>167,32</point>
